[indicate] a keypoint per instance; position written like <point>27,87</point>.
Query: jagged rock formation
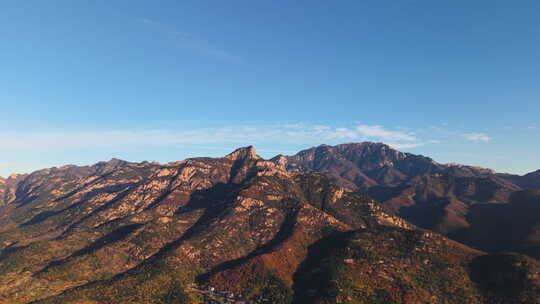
<point>239,227</point>
<point>431,195</point>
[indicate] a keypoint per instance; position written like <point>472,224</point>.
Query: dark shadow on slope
<point>285,231</point>
<point>112,237</point>
<point>425,214</point>
<point>235,170</point>
<point>384,193</point>
<point>78,189</point>
<point>317,189</point>
<point>313,278</point>
<point>115,236</point>
<point>501,276</point>
<point>10,250</point>
<point>74,225</point>
<point>504,227</point>
<point>24,200</point>
<point>165,193</point>
<point>40,217</point>
<point>160,198</point>
<point>214,205</point>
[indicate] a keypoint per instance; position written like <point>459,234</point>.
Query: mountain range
<point>473,205</point>
<point>353,223</point>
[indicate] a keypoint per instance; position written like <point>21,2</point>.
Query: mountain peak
<point>243,153</point>
<point>113,162</point>
<point>280,160</point>
<point>13,176</point>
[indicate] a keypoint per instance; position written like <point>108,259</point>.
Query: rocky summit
<point>354,223</point>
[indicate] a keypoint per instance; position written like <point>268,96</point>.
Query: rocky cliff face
<point>220,230</point>
<point>8,188</point>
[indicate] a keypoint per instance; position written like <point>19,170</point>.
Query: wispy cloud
<point>240,134</point>
<point>188,41</point>
<point>405,145</point>
<point>382,133</point>
<point>477,137</point>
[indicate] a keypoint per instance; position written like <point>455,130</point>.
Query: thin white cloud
<point>300,133</point>
<point>477,137</point>
<point>405,145</point>
<point>382,133</point>
<point>187,41</point>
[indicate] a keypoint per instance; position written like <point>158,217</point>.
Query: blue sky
<point>83,81</point>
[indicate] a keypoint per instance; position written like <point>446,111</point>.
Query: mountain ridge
<point>534,174</point>
<point>233,228</point>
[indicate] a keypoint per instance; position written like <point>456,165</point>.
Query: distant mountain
<point>527,181</point>
<point>531,180</point>
<point>431,195</point>
<point>235,228</point>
